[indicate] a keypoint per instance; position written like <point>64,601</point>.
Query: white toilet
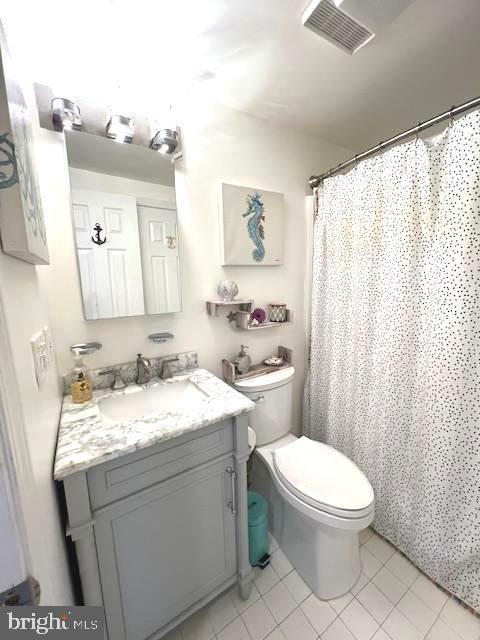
<point>319,499</point>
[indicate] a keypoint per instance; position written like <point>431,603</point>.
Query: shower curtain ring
<point>356,160</point>
<point>417,134</point>
<point>450,118</point>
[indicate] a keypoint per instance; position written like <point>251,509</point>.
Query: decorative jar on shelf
<point>227,290</point>
<point>277,312</point>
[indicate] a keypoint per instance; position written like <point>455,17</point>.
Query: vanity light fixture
<point>120,128</point>
<point>65,115</point>
<point>165,141</point>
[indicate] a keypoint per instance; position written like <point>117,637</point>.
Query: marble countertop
<point>85,439</point>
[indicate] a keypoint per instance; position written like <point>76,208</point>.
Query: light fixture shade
<point>120,128</point>
<point>65,115</point>
<point>165,141</point>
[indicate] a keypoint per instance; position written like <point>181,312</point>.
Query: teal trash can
<point>258,544</point>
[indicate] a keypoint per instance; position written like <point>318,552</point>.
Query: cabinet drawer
<point>130,473</point>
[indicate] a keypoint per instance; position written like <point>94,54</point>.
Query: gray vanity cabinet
<point>161,531</point>
<point>163,549</point>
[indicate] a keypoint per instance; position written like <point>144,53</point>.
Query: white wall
<point>82,179</point>
<point>34,413</point>
<point>32,417</point>
<point>220,145</point>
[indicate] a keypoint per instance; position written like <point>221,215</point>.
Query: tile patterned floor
<point>392,600</point>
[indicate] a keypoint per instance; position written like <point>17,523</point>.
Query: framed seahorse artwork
<point>22,226</point>
<point>251,226</point>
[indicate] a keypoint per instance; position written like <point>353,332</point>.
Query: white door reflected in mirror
<point>158,234</point>
<point>125,228</point>
<point>108,255</point>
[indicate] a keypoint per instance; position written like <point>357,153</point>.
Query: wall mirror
<point>125,227</point>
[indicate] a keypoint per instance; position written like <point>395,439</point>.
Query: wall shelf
<point>213,305</point>
<point>264,325</point>
<point>230,374</point>
<point>242,321</point>
<point>242,316</point>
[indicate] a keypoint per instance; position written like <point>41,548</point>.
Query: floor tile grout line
<point>273,585</point>
<point>444,605</point>
<point>364,607</point>
<point>298,605</point>
<point>425,634</point>
<point>426,603</point>
<point>444,620</point>
<point>431,626</point>
<point>337,614</point>
<point>385,631</point>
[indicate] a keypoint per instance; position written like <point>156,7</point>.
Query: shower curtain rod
<point>314,181</point>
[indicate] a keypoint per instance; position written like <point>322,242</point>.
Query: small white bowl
<point>274,361</point>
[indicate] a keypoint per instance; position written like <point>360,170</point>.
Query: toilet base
<point>327,559</point>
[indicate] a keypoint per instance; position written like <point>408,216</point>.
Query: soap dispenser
<point>81,386</point>
<point>243,361</point>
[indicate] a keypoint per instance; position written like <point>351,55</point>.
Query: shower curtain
<point>394,378</point>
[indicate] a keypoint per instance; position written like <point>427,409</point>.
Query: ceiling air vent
<point>330,22</point>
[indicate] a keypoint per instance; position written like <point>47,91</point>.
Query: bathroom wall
<point>29,423</point>
<point>220,145</point>
<point>34,413</point>
<point>82,179</point>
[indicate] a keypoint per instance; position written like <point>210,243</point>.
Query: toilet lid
<point>323,475</point>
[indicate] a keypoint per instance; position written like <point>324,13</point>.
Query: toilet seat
<point>323,478</point>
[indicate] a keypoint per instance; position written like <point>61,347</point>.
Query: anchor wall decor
<point>98,229</point>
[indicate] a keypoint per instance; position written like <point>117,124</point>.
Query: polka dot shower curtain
<point>394,378</point>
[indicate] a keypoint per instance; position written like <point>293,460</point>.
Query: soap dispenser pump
<point>243,361</point>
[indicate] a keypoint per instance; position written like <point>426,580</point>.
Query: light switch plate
<point>49,345</point>
<point>41,359</point>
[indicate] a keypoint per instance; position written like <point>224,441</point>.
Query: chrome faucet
<point>166,371</point>
<point>144,368</point>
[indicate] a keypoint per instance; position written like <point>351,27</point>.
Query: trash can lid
<point>257,508</point>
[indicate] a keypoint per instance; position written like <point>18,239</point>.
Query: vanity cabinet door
<point>165,548</point>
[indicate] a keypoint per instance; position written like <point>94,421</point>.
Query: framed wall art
<point>22,226</point>
<point>251,226</point>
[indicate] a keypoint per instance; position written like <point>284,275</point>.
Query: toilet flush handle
<point>259,398</point>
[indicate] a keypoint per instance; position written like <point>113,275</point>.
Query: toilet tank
<point>272,394</point>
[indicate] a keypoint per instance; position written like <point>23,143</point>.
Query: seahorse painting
<point>256,231</point>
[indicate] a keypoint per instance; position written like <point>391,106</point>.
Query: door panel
<point>161,273</point>
<point>117,259</point>
<point>116,263</point>
<point>164,548</point>
<point>87,281</point>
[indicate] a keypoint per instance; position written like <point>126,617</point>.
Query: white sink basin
<point>137,402</point>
